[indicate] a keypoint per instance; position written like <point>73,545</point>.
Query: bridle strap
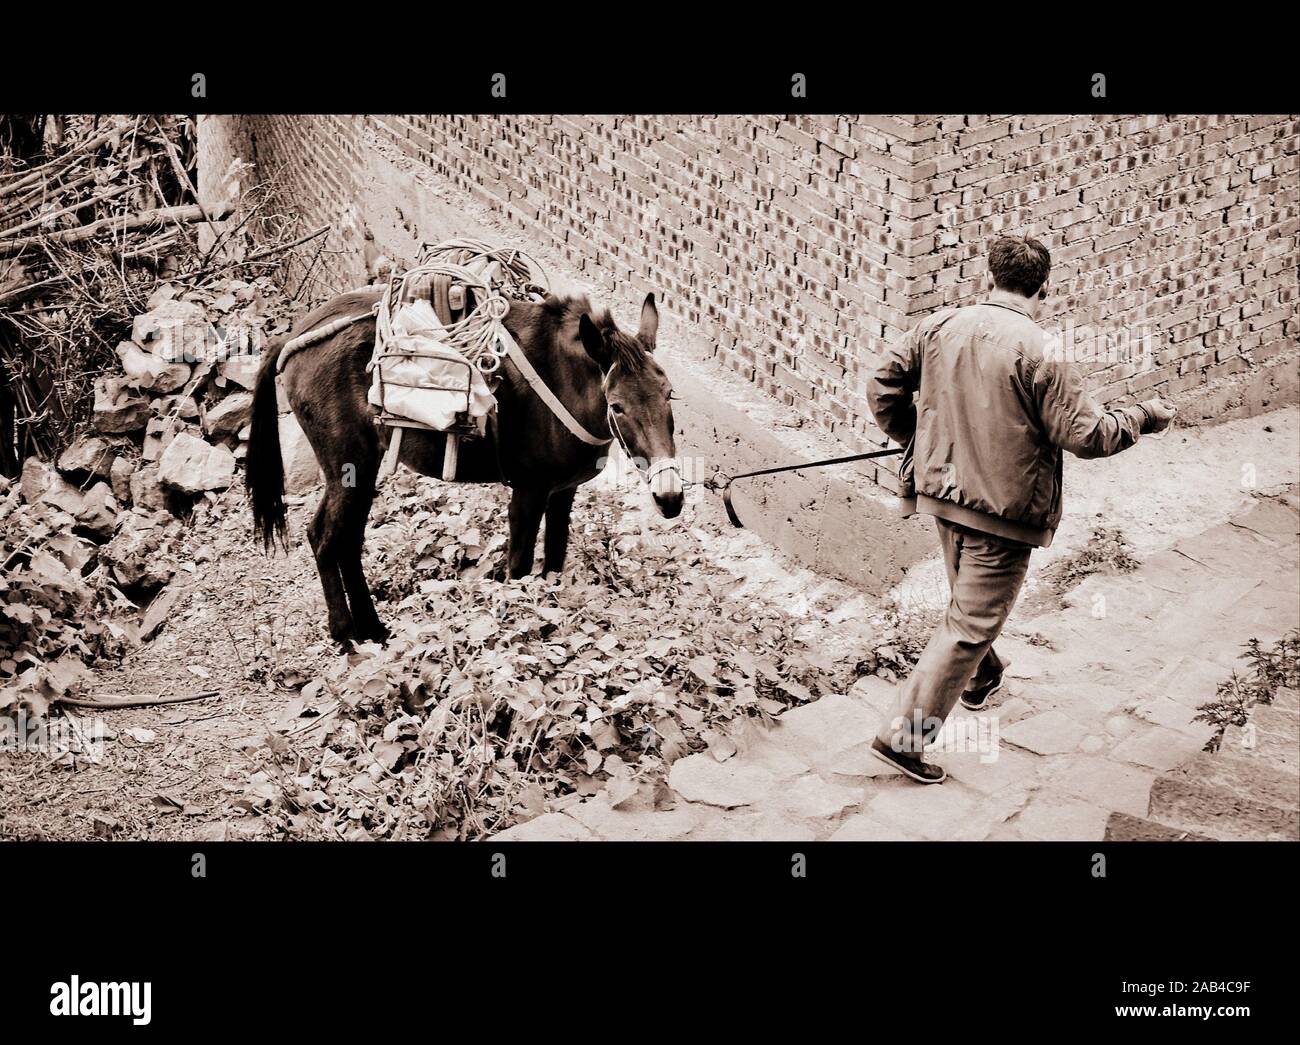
<point>534,379</point>
<point>664,464</point>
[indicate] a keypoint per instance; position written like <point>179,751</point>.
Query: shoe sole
<point>908,773</point>
<point>988,697</point>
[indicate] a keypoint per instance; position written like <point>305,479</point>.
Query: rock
<point>858,761</point>
<point>175,331</point>
<point>147,491</point>
<point>1287,698</point>
<point>230,415</point>
<point>135,556</point>
<point>37,477</point>
<point>193,466</point>
<point>1013,709</point>
<point>240,370</point>
<point>183,407</point>
<point>876,693</point>
<point>642,825</point>
<point>145,370</point>
<point>1120,725</point>
<point>1110,785</point>
<point>1050,817</point>
<point>1124,828</point>
<point>118,409</point>
<point>120,479</point>
<point>863,828</point>
<point>782,764</point>
<point>935,812</point>
<point>159,610</point>
<point>1220,812</point>
<point>699,778</point>
<point>1157,747</point>
<point>550,827</point>
<point>767,826</point>
<point>158,434</point>
<point>1246,774</point>
<point>98,512</point>
<point>89,457</point>
<point>62,495</point>
<point>829,725</point>
<point>1047,733</point>
<point>244,433</point>
<point>94,511</point>
<point>812,797</point>
<point>301,472</point>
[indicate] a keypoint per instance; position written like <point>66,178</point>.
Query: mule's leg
<point>324,534</point>
<point>527,506</point>
<point>556,545</point>
<point>356,502</point>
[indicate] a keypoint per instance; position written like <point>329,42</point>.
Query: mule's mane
<point>560,315</point>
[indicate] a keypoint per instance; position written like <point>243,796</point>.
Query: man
<point>984,416</point>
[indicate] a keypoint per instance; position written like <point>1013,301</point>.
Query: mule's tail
<point>264,467</point>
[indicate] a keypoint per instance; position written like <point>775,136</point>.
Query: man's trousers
<point>985,573</point>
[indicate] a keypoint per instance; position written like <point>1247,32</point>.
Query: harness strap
<point>534,379</point>
<point>317,334</point>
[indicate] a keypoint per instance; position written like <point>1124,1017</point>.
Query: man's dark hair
<point>1019,264</point>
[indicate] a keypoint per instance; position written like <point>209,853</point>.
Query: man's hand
<point>1160,413</point>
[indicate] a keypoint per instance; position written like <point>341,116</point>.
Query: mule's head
<point>638,393</point>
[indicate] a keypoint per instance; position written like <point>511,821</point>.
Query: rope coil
<point>494,275</point>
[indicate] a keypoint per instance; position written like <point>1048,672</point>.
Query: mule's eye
<point>616,407</point>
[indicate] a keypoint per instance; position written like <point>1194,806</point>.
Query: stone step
<point>1246,775</point>
<point>1282,721</point>
<point>1121,827</point>
<point>1277,751</point>
<point>1219,812</point>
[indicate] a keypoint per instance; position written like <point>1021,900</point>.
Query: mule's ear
<point>649,322</point>
<point>593,341</point>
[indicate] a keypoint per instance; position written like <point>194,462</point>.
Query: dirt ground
<point>251,627</point>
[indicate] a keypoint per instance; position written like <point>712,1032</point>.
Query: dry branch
<point>87,238</point>
<point>125,223</point>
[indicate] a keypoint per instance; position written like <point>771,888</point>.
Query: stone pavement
<point>1095,740</point>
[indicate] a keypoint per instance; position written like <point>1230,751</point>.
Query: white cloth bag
<point>416,387</point>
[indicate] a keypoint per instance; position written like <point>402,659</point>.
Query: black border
<point>976,80</point>
<point>1130,867</point>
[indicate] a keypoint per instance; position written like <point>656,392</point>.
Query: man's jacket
<point>984,416</point>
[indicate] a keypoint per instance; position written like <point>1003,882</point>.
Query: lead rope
<point>717,482</point>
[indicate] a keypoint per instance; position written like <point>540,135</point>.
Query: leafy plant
<point>1106,551</point>
<point>492,700</point>
<point>901,637</point>
<point>1268,671</point>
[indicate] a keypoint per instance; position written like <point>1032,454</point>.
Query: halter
<point>649,474</point>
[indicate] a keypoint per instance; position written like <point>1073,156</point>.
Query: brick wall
<point>796,247</point>
<point>1172,237</point>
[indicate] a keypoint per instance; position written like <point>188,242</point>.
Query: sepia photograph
<point>679,478</point>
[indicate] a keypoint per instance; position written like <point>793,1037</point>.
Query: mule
<point>607,379</point>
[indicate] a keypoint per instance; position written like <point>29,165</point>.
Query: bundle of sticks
<point>92,219</point>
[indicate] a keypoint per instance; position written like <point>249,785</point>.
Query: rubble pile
<point>92,535</point>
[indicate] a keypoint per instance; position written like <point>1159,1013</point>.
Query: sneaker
<point>980,697</point>
<point>909,765</point>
